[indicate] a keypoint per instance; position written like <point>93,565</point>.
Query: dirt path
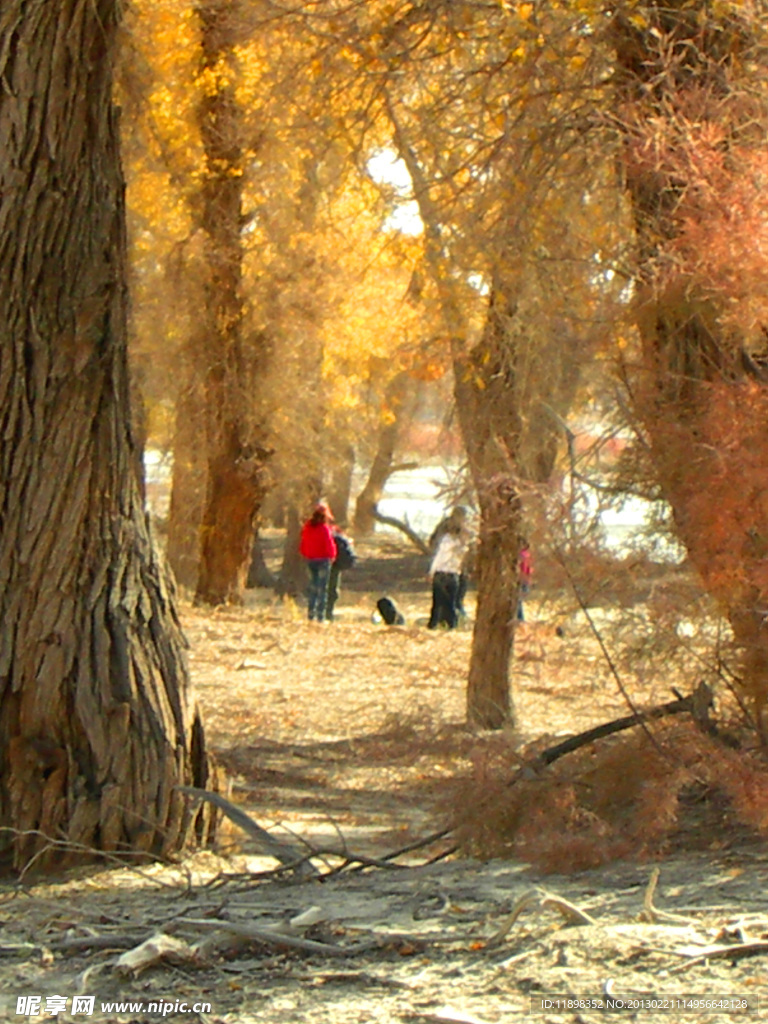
<point>351,738</point>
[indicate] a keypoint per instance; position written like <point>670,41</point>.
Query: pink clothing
<point>526,565</point>
<point>317,541</point>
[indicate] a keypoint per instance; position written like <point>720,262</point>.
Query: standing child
<point>345,559</point>
<point>318,548</point>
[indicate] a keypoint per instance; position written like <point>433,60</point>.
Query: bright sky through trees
<point>387,169</point>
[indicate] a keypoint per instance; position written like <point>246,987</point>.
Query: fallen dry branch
<point>79,943</point>
<point>418,844</point>
<point>287,854</point>
<point>696,704</point>
<point>274,937</point>
<point>735,951</point>
<point>444,1016</point>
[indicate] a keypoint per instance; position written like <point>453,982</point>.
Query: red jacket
<point>317,541</point>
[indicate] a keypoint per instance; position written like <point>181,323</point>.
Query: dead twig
<point>418,844</point>
<point>541,900</point>
<point>349,977</point>
<point>445,1016</point>
<point>652,913</point>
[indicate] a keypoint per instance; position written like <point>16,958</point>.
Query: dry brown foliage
<point>627,796</point>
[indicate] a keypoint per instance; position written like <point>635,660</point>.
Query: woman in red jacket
<point>319,549</point>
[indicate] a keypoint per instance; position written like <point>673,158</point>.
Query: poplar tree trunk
<point>97,721</point>
<point>236,451</point>
<point>506,416</point>
<point>293,570</point>
<point>340,484</point>
<point>189,481</point>
<point>486,404</point>
<point>488,411</point>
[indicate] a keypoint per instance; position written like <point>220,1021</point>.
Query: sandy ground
<point>348,739</point>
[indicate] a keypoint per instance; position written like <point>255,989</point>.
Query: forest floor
<point>348,740</point>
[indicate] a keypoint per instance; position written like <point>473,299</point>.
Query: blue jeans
<point>317,591</point>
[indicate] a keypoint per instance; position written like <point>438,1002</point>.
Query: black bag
<point>388,611</point>
<point>345,553</point>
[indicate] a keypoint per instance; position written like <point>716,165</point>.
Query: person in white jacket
<point>445,571</point>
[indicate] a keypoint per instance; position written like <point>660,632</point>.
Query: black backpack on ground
<point>345,553</point>
<point>389,613</point>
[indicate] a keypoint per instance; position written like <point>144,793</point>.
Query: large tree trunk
<point>701,394</point>
<point>237,452</point>
<point>97,722</point>
<point>259,573</point>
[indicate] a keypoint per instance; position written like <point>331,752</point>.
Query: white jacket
<point>450,554</point>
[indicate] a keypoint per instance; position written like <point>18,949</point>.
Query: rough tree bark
<point>97,722</point>
<point>237,452</point>
<point>701,396</point>
<point>486,402</point>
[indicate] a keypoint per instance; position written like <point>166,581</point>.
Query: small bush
<point>634,795</point>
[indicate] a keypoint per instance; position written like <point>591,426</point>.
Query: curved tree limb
<point>404,527</point>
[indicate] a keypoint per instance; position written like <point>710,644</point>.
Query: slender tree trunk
<point>486,390</point>
<point>293,572</point>
<point>506,421</point>
<point>486,402</point>
<point>237,453</point>
<point>700,400</point>
<point>397,410</point>
<point>340,485</point>
<point>259,573</point>
<point>97,721</point>
<point>188,486</point>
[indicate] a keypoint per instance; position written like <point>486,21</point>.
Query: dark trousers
<point>462,593</point>
<point>445,596</point>
<point>333,590</point>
